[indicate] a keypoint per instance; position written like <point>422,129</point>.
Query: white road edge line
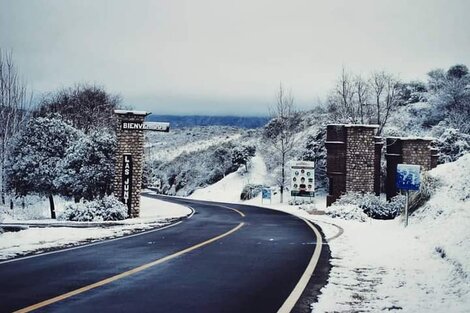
<point>99,242</point>
<point>307,275</point>
<point>233,209</point>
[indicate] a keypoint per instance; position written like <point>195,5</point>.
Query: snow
<point>381,265</point>
<point>230,187</point>
<point>169,153</point>
<point>154,213</point>
<point>132,112</point>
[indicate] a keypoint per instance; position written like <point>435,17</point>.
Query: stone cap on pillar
<point>132,112</point>
<point>362,125</point>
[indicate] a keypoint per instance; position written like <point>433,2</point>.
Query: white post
<point>407,203</point>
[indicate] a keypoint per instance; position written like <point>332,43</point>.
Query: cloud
<point>216,56</point>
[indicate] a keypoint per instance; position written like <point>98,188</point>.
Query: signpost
<point>303,179</point>
<point>266,194</point>
<point>408,178</point>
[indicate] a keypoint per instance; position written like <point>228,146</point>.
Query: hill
<point>184,121</point>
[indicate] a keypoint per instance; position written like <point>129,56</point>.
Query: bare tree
<point>15,102</point>
<point>341,100</point>
<point>349,102</point>
<point>281,131</point>
<point>386,96</point>
<point>86,107</point>
<point>362,90</point>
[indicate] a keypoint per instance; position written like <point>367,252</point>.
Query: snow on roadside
<point>154,213</point>
<point>380,265</point>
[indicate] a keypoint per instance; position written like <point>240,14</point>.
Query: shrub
<point>250,191</point>
<point>372,205</point>
<point>104,209</point>
<point>347,212</point>
<point>452,144</point>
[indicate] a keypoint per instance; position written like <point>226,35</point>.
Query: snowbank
<point>380,265</point>
<point>154,213</point>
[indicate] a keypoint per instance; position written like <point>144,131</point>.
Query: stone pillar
<point>416,151</point>
<point>353,159</point>
<point>360,158</point>
<point>335,162</point>
<point>129,158</point>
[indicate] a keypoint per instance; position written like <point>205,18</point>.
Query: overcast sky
<point>227,57</point>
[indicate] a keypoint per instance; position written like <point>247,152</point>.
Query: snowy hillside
<point>229,188</point>
<point>167,146</point>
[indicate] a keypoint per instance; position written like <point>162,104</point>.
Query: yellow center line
<point>125,274</point>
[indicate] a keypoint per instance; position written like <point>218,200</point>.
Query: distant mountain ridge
<point>180,121</point>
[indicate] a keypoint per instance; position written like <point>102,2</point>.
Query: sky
<point>227,57</point>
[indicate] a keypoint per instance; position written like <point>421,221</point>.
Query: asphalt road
<point>220,260</point>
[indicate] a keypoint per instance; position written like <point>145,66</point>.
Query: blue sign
<point>266,193</point>
<point>408,177</point>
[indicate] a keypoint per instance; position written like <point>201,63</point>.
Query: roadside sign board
<point>126,190</point>
<point>152,126</point>
<point>408,177</point>
<point>303,179</point>
<point>266,193</point>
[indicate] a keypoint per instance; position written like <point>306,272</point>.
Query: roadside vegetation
<point>65,144</point>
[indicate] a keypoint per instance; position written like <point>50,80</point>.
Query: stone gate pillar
<point>129,158</point>
<point>353,159</point>
<point>416,151</point>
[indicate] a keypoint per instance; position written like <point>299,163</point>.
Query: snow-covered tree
<point>87,171</point>
<point>450,97</point>
<point>241,155</point>
<point>32,164</point>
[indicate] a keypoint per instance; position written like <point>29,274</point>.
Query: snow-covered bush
<point>452,143</point>
<point>347,212</point>
<point>301,201</point>
<point>251,191</point>
<point>104,209</point>
<point>372,205</point>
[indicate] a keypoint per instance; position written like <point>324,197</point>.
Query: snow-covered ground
<point>229,188</point>
<point>154,213</point>
<point>166,151</point>
<point>381,265</point>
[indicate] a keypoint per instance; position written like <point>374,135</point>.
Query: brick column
<point>353,160</point>
<point>130,153</point>
<point>416,151</point>
<point>360,158</point>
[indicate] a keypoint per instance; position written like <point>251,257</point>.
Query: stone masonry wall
<point>417,151</point>
<point>360,158</point>
<point>130,142</point>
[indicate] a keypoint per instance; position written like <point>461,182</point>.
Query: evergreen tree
<point>32,165</point>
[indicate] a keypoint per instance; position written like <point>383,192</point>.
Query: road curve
<point>226,258</point>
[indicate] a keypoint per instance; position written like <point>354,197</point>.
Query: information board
<point>303,179</point>
<point>408,177</point>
